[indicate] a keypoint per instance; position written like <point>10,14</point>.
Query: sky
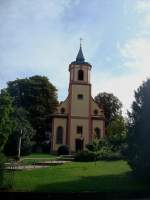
<point>41,37</point>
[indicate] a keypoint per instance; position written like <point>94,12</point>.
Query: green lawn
<point>39,155</point>
<point>36,157</point>
<point>78,177</point>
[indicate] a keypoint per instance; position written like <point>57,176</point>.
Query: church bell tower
<point>78,119</point>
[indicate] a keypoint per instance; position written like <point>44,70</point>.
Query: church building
<point>78,119</point>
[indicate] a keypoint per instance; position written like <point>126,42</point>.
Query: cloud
<point>143,10</point>
<point>142,6</point>
<point>134,56</point>
<point>136,53</point>
<point>42,37</point>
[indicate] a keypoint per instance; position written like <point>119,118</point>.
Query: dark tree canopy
<point>21,128</point>
<point>37,96</point>
<point>139,132</point>
<point>111,105</point>
<point>5,117</point>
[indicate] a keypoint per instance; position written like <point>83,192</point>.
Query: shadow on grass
<point>105,183</point>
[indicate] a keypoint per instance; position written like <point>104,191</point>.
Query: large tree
<point>20,141</point>
<point>5,117</point>
<point>38,96</point>
<point>139,132</point>
<point>117,133</point>
<point>111,105</point>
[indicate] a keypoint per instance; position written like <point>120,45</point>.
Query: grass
<point>39,155</point>
<point>36,157</point>
<point>110,176</point>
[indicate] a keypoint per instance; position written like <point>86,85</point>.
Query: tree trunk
<point>19,146</point>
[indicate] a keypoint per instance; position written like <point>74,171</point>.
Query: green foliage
<point>117,133</point>
<point>85,156</point>
<point>102,149</point>
<point>63,150</point>
<point>23,129</point>
<point>95,146</point>
<point>111,105</point>
<point>37,96</point>
<point>2,169</point>
<point>138,139</point>
<point>106,153</point>
<point>98,150</point>
<point>5,117</point>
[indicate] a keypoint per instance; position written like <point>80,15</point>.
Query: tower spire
<point>80,57</point>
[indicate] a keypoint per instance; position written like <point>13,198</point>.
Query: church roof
<point>80,58</point>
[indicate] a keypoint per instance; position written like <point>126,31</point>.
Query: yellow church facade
<point>78,119</point>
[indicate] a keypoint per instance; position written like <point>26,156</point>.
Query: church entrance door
<point>79,145</point>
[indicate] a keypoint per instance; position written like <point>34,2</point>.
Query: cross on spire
<point>80,57</point>
<point>81,42</point>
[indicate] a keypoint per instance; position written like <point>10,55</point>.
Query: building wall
<point>74,73</point>
<point>98,124</point>
<point>73,132</point>
<point>63,104</point>
<point>80,107</point>
<point>96,107</point>
<point>78,112</point>
<point>56,123</point>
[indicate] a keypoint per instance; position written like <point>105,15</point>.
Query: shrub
<point>2,169</point>
<point>46,147</point>
<point>85,156</point>
<point>108,154</point>
<point>90,147</point>
<point>103,154</point>
<point>63,150</point>
<point>6,176</point>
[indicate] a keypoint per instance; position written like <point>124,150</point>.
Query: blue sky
<point>42,37</point>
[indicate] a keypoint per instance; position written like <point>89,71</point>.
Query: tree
<point>20,141</point>
<point>111,105</point>
<point>37,96</point>
<point>5,117</point>
<point>138,139</point>
<point>117,133</point>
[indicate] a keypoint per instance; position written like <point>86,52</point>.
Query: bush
<point>90,147</point>
<point>103,154</point>
<point>2,169</point>
<point>85,156</point>
<point>46,147</point>
<point>26,150</point>
<point>6,176</point>
<point>63,150</point>
<point>108,154</point>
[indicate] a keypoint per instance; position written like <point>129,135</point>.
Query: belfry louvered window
<point>80,75</point>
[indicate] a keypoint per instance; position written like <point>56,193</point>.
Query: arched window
<point>98,132</point>
<point>80,75</point>
<point>59,135</point>
<point>62,110</point>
